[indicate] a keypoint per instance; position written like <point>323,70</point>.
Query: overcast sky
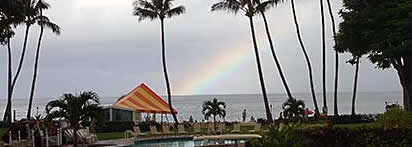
<point>104,48</point>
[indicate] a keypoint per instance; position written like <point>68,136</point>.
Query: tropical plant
<point>160,9</point>
<point>284,137</point>
<point>272,48</point>
<point>380,29</point>
<point>75,109</point>
<point>43,22</point>
<point>325,105</point>
<point>395,118</point>
<point>250,8</point>
<point>293,110</point>
<point>335,91</point>
<point>355,82</point>
<point>309,65</point>
<point>214,108</point>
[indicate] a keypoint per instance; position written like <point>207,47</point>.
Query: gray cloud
<point>104,48</point>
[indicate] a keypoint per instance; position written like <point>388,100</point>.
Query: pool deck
<point>130,141</point>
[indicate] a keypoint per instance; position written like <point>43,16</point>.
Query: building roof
<point>144,99</point>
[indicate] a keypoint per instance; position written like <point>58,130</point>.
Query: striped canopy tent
<point>144,99</point>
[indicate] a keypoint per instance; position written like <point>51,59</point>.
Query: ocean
<point>191,105</point>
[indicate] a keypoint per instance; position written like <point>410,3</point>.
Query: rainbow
<point>221,67</point>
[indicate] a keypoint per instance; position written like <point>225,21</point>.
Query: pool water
<point>165,143</point>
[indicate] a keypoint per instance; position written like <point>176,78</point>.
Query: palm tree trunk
<point>325,105</point>
<point>169,93</point>
<point>214,122</point>
<point>33,84</point>
<point>75,136</point>
<point>21,57</point>
<point>262,81</point>
<point>307,59</point>
<point>335,93</point>
<point>272,48</point>
<point>7,114</point>
<point>355,86</point>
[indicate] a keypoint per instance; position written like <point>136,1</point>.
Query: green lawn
<point>244,129</point>
<point>2,131</point>
<point>110,135</point>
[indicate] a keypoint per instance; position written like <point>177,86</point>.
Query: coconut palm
<point>272,48</point>
<point>293,110</point>
<point>306,58</point>
<point>42,22</point>
<point>10,16</point>
<point>355,82</point>
<point>335,92</point>
<point>75,109</point>
<point>250,8</point>
<point>214,108</point>
<point>325,105</point>
<point>159,9</point>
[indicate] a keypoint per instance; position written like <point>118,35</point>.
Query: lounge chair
<point>221,128</point>
<point>236,128</point>
<point>153,130</point>
<point>166,129</point>
<point>136,132</point>
<point>210,128</point>
<point>181,129</point>
<point>83,137</point>
<point>257,128</point>
<point>196,128</point>
<point>86,136</point>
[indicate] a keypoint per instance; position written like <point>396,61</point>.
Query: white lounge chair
<point>257,128</point>
<point>236,128</point>
<point>136,132</point>
<point>153,130</point>
<point>197,128</point>
<point>166,129</point>
<point>181,129</point>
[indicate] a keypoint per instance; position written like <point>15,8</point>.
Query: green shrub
<point>345,137</point>
<point>395,118</point>
<point>282,137</point>
<point>350,119</point>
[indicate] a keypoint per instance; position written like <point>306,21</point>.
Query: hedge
<point>344,137</point>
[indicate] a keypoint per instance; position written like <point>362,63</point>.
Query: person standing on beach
<point>244,115</point>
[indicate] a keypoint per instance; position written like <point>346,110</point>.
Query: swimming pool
<point>172,142</point>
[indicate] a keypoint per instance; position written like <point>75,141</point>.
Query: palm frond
<point>42,5</point>
<point>145,14</point>
<point>175,11</point>
<point>231,6</point>
<point>264,6</point>
<point>144,4</point>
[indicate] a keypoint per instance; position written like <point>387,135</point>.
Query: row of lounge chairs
<point>84,136</point>
<point>197,129</point>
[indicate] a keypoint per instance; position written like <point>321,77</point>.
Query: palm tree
<point>10,15</point>
<point>75,109</point>
<point>42,22</point>
<point>214,108</point>
<point>355,82</point>
<point>251,8</point>
<point>272,48</point>
<point>293,110</point>
<point>159,9</point>
<point>306,58</point>
<point>335,92</point>
<point>325,105</point>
